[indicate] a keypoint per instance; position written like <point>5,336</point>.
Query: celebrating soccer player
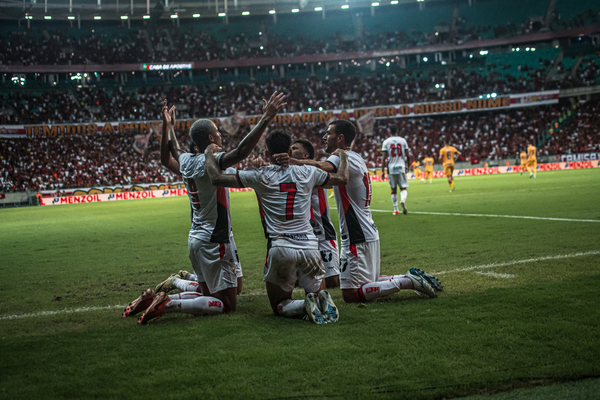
<point>284,195</point>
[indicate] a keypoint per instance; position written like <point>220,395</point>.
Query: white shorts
<point>213,263</point>
<point>359,264</point>
<point>286,264</point>
<point>398,180</point>
<point>330,257</point>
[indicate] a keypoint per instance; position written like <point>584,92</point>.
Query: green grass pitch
<point>66,270</point>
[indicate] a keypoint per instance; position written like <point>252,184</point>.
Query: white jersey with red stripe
<point>285,197</point>
<point>211,221</point>
<point>397,149</point>
<point>321,220</point>
<point>353,202</point>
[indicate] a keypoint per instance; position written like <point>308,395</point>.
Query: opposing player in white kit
<point>285,199</point>
<point>394,153</point>
<point>359,256</point>
<point>321,220</point>
<point>209,242</point>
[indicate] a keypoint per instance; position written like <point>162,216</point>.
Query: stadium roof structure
<point>165,9</point>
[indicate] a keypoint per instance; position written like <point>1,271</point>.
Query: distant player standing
<point>523,157</point>
<point>285,199</point>
<point>428,161</point>
<point>321,221</point>
<point>448,156</point>
<point>531,160</point>
<point>417,171</point>
<point>396,148</point>
<point>359,254</point>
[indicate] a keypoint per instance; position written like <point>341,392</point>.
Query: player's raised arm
<point>340,178</point>
<point>169,152</point>
<point>243,150</point>
<point>324,165</point>
<point>217,177</point>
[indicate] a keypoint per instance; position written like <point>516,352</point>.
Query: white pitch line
<point>496,216</point>
<point>67,311</point>
<point>496,275</point>
<point>486,266</point>
<point>530,260</point>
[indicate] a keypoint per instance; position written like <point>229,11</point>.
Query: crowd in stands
<point>336,91</point>
<point>161,43</point>
<point>108,158</point>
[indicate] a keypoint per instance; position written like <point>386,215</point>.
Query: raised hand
<point>212,148</point>
<point>282,159</point>
<point>338,152</point>
<point>168,116</point>
<point>274,105</point>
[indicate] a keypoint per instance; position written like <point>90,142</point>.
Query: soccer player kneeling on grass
<point>284,195</point>
<point>359,259</point>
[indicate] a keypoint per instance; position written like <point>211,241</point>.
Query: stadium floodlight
<point>318,8</point>
<point>196,15</point>
<point>71,17</point>
<point>174,16</point>
<point>222,14</point>
<point>295,10</point>
<point>425,59</point>
<point>47,17</point>
<point>124,17</point>
<point>533,49</point>
<point>97,17</point>
<point>420,1</point>
<point>345,6</point>
<point>272,11</point>
<point>374,4</point>
<point>246,13</point>
<point>28,17</point>
<point>394,2</point>
<point>146,17</point>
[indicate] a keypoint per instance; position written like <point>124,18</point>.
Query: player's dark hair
<point>393,129</point>
<point>308,147</point>
<point>346,128</point>
<point>199,132</point>
<point>278,142</point>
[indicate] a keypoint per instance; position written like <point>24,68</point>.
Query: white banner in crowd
<point>485,102</point>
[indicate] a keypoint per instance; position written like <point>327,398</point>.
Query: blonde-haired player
<point>523,157</point>
<point>428,162</point>
<point>448,156</point>
<point>415,166</point>
<point>531,160</point>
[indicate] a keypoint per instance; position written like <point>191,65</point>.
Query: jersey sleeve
<point>319,177</point>
<point>184,159</point>
<point>385,146</point>
<point>335,161</point>
<point>248,178</point>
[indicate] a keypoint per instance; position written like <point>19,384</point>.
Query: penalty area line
<point>485,266</point>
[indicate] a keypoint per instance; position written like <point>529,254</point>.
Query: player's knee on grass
<point>229,298</point>
<point>276,295</point>
<point>350,295</point>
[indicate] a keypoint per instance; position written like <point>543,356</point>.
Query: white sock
<point>291,308</point>
<point>194,278</point>
<point>403,194</point>
<point>388,277</point>
<point>202,305</point>
<point>395,201</point>
<point>185,296</point>
<point>186,286</point>
<point>377,289</point>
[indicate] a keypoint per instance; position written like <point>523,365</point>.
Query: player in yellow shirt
<point>415,165</point>
<point>523,157</point>
<point>448,156</point>
<point>531,160</point>
<point>428,162</point>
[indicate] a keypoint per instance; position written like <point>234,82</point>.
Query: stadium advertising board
<point>580,157</point>
<point>152,194</point>
<point>166,66</point>
<point>482,103</point>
